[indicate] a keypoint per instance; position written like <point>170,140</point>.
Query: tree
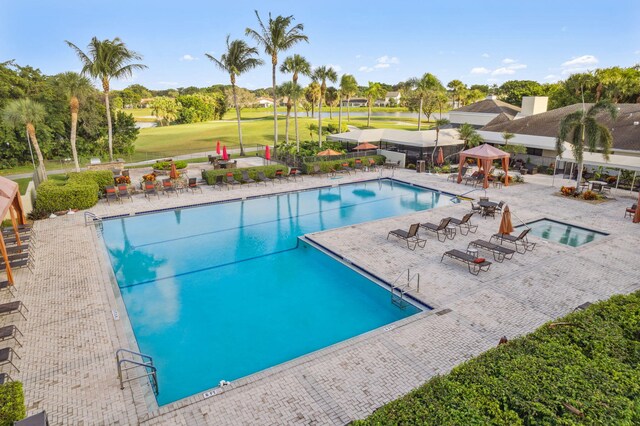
<point>125,133</point>
<point>106,60</point>
<point>582,127</point>
<point>321,75</point>
<point>512,91</point>
<point>246,98</point>
<point>75,87</point>
<point>296,65</point>
<point>469,135</point>
<point>425,86</point>
<point>373,92</point>
<point>348,88</point>
<point>312,94</point>
<point>27,113</point>
<point>439,123</point>
<point>507,136</point>
<point>457,88</point>
<point>330,98</point>
<point>238,59</point>
<point>166,109</point>
<point>277,36</point>
<point>292,91</point>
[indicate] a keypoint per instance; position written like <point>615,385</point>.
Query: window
<point>534,151</point>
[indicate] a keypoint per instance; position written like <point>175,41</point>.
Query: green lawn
<point>22,184</point>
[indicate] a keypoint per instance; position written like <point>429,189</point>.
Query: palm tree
<point>457,87</point>
<point>373,92</point>
<point>348,88</point>
<point>312,94</point>
<point>238,59</point>
<point>427,83</point>
<point>292,91</point>
<point>27,113</point>
<point>582,126</point>
<point>467,133</point>
<point>321,75</point>
<point>507,136</point>
<point>330,97</point>
<point>75,87</point>
<point>297,65</point>
<point>439,123</point>
<point>106,60</point>
<point>276,37</point>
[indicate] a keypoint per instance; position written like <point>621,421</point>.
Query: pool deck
<point>70,337</point>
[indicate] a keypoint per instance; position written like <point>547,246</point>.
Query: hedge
<point>101,177</point>
<point>269,171</point>
<point>584,370</point>
<point>11,403</point>
<point>52,197</point>
<point>166,165</point>
<point>327,166</point>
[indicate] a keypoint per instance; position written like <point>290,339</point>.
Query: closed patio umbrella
<point>267,152</point>
<point>636,217</point>
<point>225,156</point>
<point>218,148</point>
<point>328,152</point>
<point>173,174</point>
<point>506,227</point>
<point>440,158</point>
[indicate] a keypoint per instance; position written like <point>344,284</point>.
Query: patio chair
<point>150,189</point>
<point>219,183</point>
<point>192,185</point>
<point>295,173</point>
<point>168,186</point>
<point>372,165</point>
<point>6,357</point>
<point>440,230</point>
<point>231,181</point>
<point>10,332</point>
<point>631,211</point>
<point>489,211</point>
<point>245,178</point>
<point>520,241</point>
<point>279,176</point>
<point>12,249</point>
<point>317,171</point>
<point>110,194</point>
<point>475,264</point>
<point>500,206</point>
<point>475,209</point>
<point>410,236</point>
<point>464,224</point>
<point>499,253</point>
<point>14,307</point>
<point>357,166</point>
<point>263,179</point>
<point>24,262</point>
<point>6,285</point>
<point>123,191</point>
<point>5,378</point>
<point>471,178</point>
<point>346,168</point>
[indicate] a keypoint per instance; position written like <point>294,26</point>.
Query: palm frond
<point>605,141</point>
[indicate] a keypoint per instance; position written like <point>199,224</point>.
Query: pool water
<point>223,291</point>
<point>562,233</point>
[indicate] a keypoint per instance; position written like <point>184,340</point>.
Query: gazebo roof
<point>485,151</point>
<point>8,191</point>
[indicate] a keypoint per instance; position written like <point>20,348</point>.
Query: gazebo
<point>10,202</point>
<point>485,154</point>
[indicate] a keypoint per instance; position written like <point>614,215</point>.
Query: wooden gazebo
<point>485,154</point>
<point>11,203</point>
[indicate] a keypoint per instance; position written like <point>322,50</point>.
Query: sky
<point>478,42</point>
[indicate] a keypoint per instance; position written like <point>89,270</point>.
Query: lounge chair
<point>192,185</point>
<point>245,178</point>
<point>10,332</point>
<point>5,378</point>
<point>475,264</point>
<point>168,186</point>
<point>22,248</point>
<point>631,211</point>
<point>500,206</point>
<point>464,224</point>
<point>439,230</point>
<point>520,241</point>
<point>454,176</point>
<point>14,307</point>
<point>123,191</point>
<point>345,167</point>
<point>23,262</point>
<point>6,285</point>
<point>263,179</point>
<point>279,176</point>
<point>295,173</point>
<point>372,165</point>
<point>471,177</point>
<point>410,236</point>
<point>6,357</point>
<point>357,166</point>
<point>231,181</point>
<point>219,183</point>
<point>110,194</point>
<point>499,253</point>
<point>317,171</point>
<point>150,189</point>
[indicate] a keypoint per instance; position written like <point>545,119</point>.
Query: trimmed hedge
<point>327,166</point>
<point>12,406</point>
<point>101,177</point>
<point>166,165</point>
<point>52,197</point>
<point>583,371</point>
<point>269,171</point>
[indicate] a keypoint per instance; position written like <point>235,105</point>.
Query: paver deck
<point>70,338</point>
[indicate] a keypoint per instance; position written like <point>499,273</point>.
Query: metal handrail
<point>89,218</point>
<point>410,278</point>
<point>146,362</point>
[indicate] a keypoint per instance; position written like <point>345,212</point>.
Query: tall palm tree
<point>27,113</point>
<point>348,88</point>
<point>439,123</point>
<point>75,87</point>
<point>457,87</point>
<point>277,36</point>
<point>330,97</point>
<point>106,60</point>
<point>373,92</point>
<point>296,65</point>
<point>292,91</point>
<point>312,93</point>
<point>321,75</point>
<point>427,83</point>
<point>238,59</point>
<point>582,127</point>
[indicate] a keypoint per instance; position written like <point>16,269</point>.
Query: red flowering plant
<point>123,179</point>
<point>568,190</point>
<point>151,177</point>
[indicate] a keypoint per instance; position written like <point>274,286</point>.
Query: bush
<point>269,171</point>
<point>585,372</point>
<point>12,406</point>
<point>166,165</point>
<point>411,166</point>
<point>52,197</point>
<point>327,166</point>
<point>567,190</point>
<point>589,195</point>
<point>101,178</point>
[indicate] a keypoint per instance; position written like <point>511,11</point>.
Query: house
<point>355,102</point>
<point>265,102</point>
<point>390,99</point>
<point>481,113</point>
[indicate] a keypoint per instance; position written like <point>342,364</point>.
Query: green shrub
<point>12,406</point>
<point>327,166</point>
<point>52,197</point>
<point>102,178</point>
<point>166,165</point>
<point>269,171</point>
<point>590,365</point>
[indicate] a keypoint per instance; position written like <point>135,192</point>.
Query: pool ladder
<point>144,362</point>
<point>91,218</point>
<point>400,287</point>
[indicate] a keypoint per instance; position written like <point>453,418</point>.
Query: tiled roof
<point>490,106</point>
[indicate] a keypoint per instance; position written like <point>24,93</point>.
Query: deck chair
<point>231,181</point>
<point>631,211</point>
<point>500,206</point>
<point>279,176</point>
<point>9,332</point>
<point>439,230</point>
<point>123,191</point>
<point>263,179</point>
<point>464,224</point>
<point>17,263</point>
<point>475,209</point>
<point>499,253</point>
<point>357,166</point>
<point>150,189</point>
<point>520,241</point>
<point>475,264</point>
<point>12,249</point>
<point>168,186</point>
<point>295,173</point>
<point>245,178</point>
<point>6,285</point>
<point>6,357</point>
<point>219,183</point>
<point>346,168</point>
<point>110,194</point>
<point>410,236</point>
<point>193,185</point>
<point>5,378</point>
<point>372,165</point>
<point>14,307</point>
<point>317,171</point>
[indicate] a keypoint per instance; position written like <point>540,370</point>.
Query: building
<point>265,102</point>
<point>355,102</point>
<point>390,99</point>
<point>481,113</point>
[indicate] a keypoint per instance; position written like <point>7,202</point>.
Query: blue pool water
<point>562,233</point>
<point>222,291</point>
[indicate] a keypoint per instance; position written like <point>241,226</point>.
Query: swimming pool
<point>222,291</point>
<point>561,232</point>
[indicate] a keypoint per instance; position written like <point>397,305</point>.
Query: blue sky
<point>485,41</point>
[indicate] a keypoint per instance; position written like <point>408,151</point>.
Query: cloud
<point>480,70</point>
<point>551,77</point>
<point>508,61</point>
<point>485,55</point>
<point>382,65</point>
<point>365,69</point>
<point>387,60</point>
<point>581,61</point>
<point>168,83</point>
<point>358,56</point>
<point>492,80</point>
<point>503,71</point>
<point>188,57</point>
<point>517,66</point>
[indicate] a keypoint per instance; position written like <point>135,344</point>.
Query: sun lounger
<point>317,171</point>
<point>475,264</point>
<point>192,185</point>
<point>23,262</point>
<point>14,307</point>
<point>110,194</point>
<point>499,253</point>
<point>464,224</point>
<point>295,173</point>
<point>9,332</point>
<point>231,181</point>
<point>5,285</point>
<point>5,378</point>
<point>372,165</point>
<point>346,168</point>
<point>263,179</point>
<point>123,191</point>
<point>520,241</point>
<point>219,183</point>
<point>245,178</point>
<point>150,189</point>
<point>279,176</point>
<point>22,248</point>
<point>168,186</point>
<point>410,236</point>
<point>6,357</point>
<point>357,166</point>
<point>440,230</point>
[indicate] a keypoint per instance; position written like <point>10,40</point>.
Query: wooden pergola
<point>11,203</point>
<point>485,154</point>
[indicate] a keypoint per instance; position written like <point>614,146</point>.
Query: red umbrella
<point>267,152</point>
<point>636,216</point>
<point>365,145</point>
<point>218,148</point>
<point>225,156</point>
<point>173,174</point>
<point>440,158</point>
